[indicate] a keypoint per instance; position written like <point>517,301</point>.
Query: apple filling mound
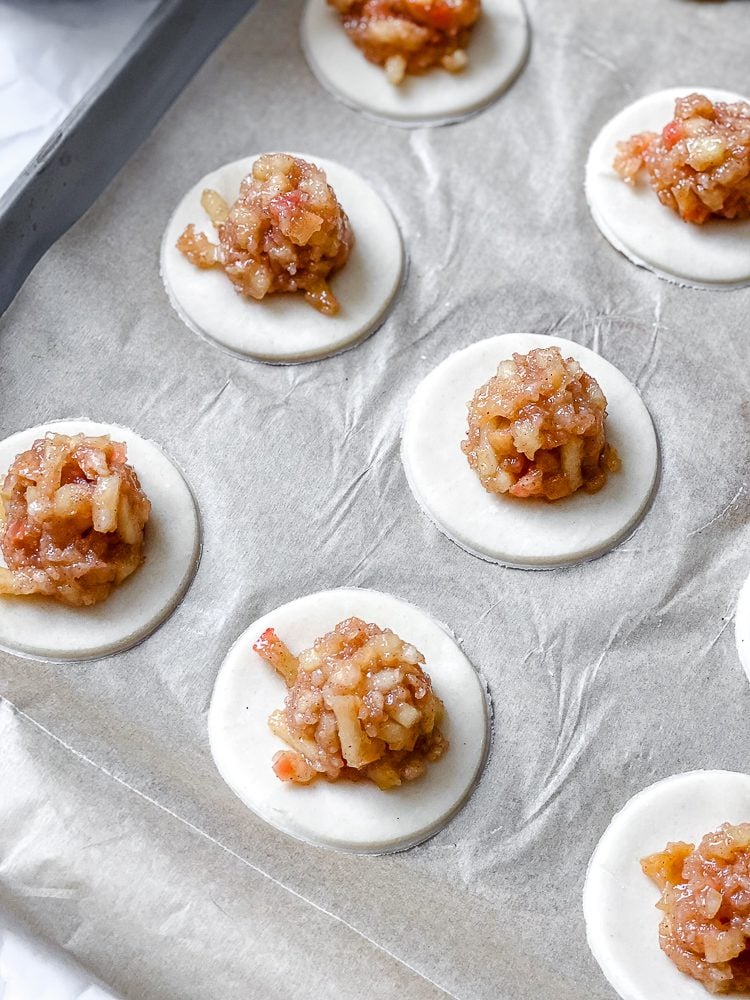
<point>286,232</point>
<point>699,164</point>
<point>705,898</point>
<point>72,519</point>
<point>410,36</point>
<point>536,429</point>
<point>359,705</point>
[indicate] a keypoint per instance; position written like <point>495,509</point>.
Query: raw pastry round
<point>283,328</point>
<point>530,533</point>
<point>742,627</point>
<point>714,255</point>
<point>619,901</point>
<point>44,628</point>
<point>345,815</point>
<point>497,51</point>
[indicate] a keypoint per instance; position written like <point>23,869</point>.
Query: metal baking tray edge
<point>105,129</point>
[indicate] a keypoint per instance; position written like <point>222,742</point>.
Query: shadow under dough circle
<point>531,533</point>
<point>345,815</point>
<point>283,328</point>
<point>715,255</point>
<point>44,628</point>
<point>497,51</point>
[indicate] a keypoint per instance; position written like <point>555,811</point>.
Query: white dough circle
<point>284,328</point>
<point>531,533</point>
<point>619,901</point>
<point>344,815</point>
<point>713,255</point>
<point>497,51</point>
<point>742,627</point>
<point>44,628</point>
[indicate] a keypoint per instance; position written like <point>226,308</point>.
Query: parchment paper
<point>31,968</point>
<point>119,840</point>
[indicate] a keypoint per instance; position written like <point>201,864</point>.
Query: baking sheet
<point>118,840</point>
<point>106,124</point>
<point>50,55</point>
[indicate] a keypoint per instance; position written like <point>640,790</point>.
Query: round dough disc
<point>714,255</point>
<point>497,51</point>
<point>619,901</point>
<point>44,628</point>
<point>283,328</point>
<point>742,627</point>
<point>347,816</point>
<point>528,533</point>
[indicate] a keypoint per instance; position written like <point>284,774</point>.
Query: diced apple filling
<point>705,899</point>
<point>72,519</point>
<point>699,164</point>
<point>536,429</point>
<point>359,704</point>
<point>286,232</point>
<point>410,36</point>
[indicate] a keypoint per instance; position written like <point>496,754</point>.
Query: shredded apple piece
<point>410,36</point>
<point>705,898</point>
<point>72,518</point>
<point>286,232</point>
<point>536,429</point>
<point>358,705</point>
<point>699,164</point>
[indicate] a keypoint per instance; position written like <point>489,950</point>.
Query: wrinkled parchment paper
<point>119,840</point>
